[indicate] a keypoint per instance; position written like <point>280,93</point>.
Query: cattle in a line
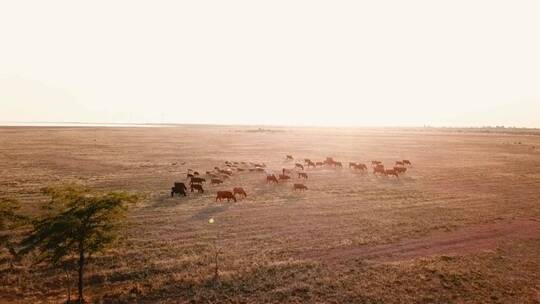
<point>297,165</point>
<point>197,187</point>
<point>216,181</point>
<point>240,191</point>
<point>302,175</point>
<point>179,188</point>
<point>271,179</point>
<point>300,187</point>
<point>225,195</point>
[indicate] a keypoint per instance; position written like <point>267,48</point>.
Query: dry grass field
<point>461,226</point>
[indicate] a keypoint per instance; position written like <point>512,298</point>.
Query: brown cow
<point>407,162</point>
<point>399,163</point>
<point>307,160</point>
<point>311,164</point>
<point>352,165</point>
<point>400,169</point>
<point>289,157</point>
<point>379,169</point>
<point>285,171</point>
<point>391,172</point>
<point>319,164</point>
<point>302,175</point>
<point>362,167</point>
<point>300,187</point>
<point>197,187</point>
<point>240,191</point>
<point>189,175</point>
<point>271,179</point>
<point>284,176</point>
<point>375,162</point>
<point>228,172</point>
<point>225,194</point>
<point>297,165</point>
<point>197,180</point>
<point>216,181</point>
<point>338,164</point>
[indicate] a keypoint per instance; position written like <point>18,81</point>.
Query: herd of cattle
<point>218,175</point>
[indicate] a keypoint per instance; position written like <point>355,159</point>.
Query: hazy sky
<point>345,63</point>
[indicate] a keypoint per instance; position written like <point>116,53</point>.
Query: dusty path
<point>463,241</point>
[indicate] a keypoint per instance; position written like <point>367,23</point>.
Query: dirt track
<point>463,241</point>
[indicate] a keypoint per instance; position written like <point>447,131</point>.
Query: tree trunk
<point>81,273</point>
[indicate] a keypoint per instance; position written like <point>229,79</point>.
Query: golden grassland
<point>461,226</point>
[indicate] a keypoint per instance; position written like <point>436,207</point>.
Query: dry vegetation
<point>462,226</point>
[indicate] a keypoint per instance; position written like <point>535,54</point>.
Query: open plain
<point>462,225</point>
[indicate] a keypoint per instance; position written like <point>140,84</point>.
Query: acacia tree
<point>78,222</point>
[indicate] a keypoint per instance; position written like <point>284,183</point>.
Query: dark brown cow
<point>225,194</point>
<point>289,157</point>
<point>297,165</point>
<point>197,187</point>
<point>197,180</point>
<point>391,172</point>
<point>375,162</point>
<point>240,191</point>
<point>302,175</point>
<point>338,164</point>
<point>196,173</point>
<point>319,164</point>
<point>307,160</point>
<point>311,164</point>
<point>216,181</point>
<point>352,165</point>
<point>407,162</point>
<point>271,179</point>
<point>179,188</point>
<point>399,163</point>
<point>285,171</point>
<point>284,176</point>
<point>300,187</point>
<point>189,175</point>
